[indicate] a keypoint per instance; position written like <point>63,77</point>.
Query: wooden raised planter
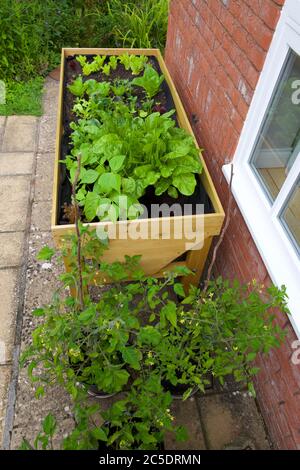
<point>158,254</point>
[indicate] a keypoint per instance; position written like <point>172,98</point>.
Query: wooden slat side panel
<point>59,131</point>
<point>110,51</point>
<point>204,226</point>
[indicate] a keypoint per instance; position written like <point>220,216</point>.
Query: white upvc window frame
<point>261,216</point>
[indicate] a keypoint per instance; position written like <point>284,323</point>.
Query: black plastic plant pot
<point>178,391</point>
<point>95,392</point>
<point>102,446</point>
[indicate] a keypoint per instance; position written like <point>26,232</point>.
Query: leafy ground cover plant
<point>34,32</point>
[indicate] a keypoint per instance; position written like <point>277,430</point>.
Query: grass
<point>23,98</point>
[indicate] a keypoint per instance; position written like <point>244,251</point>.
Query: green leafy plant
<point>133,62</point>
<point>121,87</point>
<point>141,419</point>
<point>78,87</point>
<point>139,24</point>
<point>44,439</point>
<point>33,33</point>
<point>23,97</point>
<point>123,154</point>
<point>106,69</point>
<point>218,331</point>
<point>91,67</point>
<point>85,342</point>
<point>150,81</point>
<point>113,62</point>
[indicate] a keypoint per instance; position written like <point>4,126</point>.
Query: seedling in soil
<point>150,81</point>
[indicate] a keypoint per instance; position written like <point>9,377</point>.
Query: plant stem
<point>230,200</point>
<point>79,260</point>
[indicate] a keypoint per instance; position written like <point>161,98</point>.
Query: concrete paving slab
<point>41,216</point>
<point>232,421</point>
<point>50,99</point>
<point>41,283</point>
<point>14,197</point>
<point>16,163</point>
<point>5,373</point>
<point>11,249</point>
<point>47,134</point>
<point>186,414</point>
<point>44,177</point>
<point>2,125</point>
<point>20,134</point>
<point>8,312</point>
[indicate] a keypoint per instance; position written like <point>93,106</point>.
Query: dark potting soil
<point>164,98</point>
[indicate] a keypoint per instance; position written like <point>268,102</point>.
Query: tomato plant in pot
<point>88,341</point>
<point>219,330</point>
<point>141,419</point>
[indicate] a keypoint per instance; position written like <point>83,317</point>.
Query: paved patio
<point>218,420</point>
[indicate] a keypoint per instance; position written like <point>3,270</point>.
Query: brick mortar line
<point>11,231</point>
<point>21,291</point>
<point>13,266</point>
<point>15,175</point>
<point>17,151</point>
<point>220,84</point>
<point>240,24</point>
<point>236,44</point>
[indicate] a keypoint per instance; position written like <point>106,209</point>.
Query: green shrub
<point>32,33</point>
<point>23,97</point>
<point>141,23</point>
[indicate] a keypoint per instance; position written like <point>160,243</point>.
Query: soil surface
<point>164,102</point>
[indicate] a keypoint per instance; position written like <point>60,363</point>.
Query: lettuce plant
<point>123,154</point>
<point>92,67</point>
<point>150,81</point>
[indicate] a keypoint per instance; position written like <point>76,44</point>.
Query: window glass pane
<point>291,215</point>
<point>278,143</point>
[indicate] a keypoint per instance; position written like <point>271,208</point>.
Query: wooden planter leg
<point>195,261</point>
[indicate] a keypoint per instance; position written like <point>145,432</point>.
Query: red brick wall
<point>215,52</point>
